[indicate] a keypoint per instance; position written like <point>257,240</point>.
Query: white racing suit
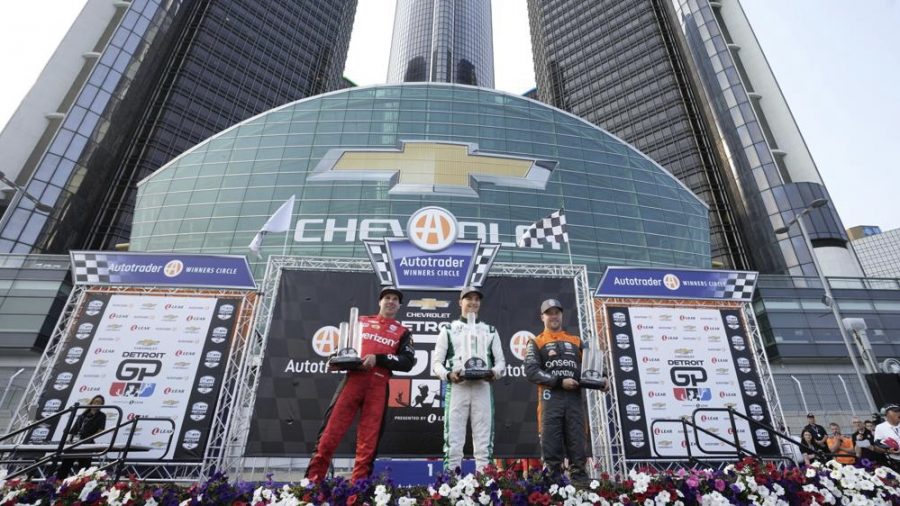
<point>470,400</point>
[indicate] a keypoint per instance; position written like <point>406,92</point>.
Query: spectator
<point>840,446</point>
<point>90,422</point>
<point>887,436</point>
<point>862,440</point>
<point>811,451</point>
<point>817,430</point>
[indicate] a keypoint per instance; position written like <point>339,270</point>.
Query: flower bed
<point>747,482</point>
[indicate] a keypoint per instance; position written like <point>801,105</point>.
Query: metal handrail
<point>65,450</point>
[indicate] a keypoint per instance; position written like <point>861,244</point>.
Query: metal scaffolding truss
<point>236,440</point>
<point>29,401</point>
<point>154,470</point>
<point>617,448</point>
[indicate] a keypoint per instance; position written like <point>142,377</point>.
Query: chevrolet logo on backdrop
<point>433,168</point>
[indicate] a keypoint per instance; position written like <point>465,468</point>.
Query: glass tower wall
<point>172,74</point>
<point>622,208</point>
<point>664,76</point>
<point>448,41</point>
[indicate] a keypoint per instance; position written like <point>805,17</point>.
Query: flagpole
<point>569,241</point>
<point>284,247</point>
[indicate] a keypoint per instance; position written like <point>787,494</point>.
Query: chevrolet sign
<point>429,167</point>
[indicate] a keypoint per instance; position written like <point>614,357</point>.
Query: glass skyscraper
<point>447,41</point>
<point>163,77</point>
<point>685,81</point>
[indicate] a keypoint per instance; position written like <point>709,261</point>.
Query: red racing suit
<point>364,391</point>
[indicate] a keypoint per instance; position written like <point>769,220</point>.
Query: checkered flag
<point>484,257</point>
<point>378,254</point>
<point>92,269</point>
<point>551,229</point>
<point>738,286</point>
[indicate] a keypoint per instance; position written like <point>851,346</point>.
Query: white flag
<point>278,222</point>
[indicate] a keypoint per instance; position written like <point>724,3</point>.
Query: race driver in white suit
<point>467,399</point>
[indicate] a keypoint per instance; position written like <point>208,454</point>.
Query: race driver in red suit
<point>386,346</point>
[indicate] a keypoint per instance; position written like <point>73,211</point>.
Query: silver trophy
<point>592,373</point>
<point>347,357</point>
<point>475,364</point>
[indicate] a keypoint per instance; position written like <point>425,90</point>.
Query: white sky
<point>838,65</point>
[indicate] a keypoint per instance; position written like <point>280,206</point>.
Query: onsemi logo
<point>671,282</point>
<point>325,341</point>
<point>518,343</point>
<point>432,228</point>
<point>173,268</point>
<point>433,168</point>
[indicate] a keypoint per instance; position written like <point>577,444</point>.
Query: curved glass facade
<point>622,208</point>
<point>446,41</point>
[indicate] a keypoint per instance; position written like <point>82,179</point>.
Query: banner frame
<point>236,464</point>
<point>620,462</point>
<point>150,469</point>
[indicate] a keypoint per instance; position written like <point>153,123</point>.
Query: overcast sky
<point>838,66</point>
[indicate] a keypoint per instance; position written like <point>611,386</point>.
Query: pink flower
<point>720,485</point>
<point>692,482</point>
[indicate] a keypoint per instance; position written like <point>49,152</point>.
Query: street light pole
<point>829,298</point>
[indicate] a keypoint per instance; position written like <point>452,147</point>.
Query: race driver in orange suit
<point>553,361</point>
<point>386,346</point>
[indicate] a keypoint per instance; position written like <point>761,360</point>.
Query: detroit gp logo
<point>619,319</point>
<point>623,341</point>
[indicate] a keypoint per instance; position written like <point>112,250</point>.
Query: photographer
<point>90,422</point>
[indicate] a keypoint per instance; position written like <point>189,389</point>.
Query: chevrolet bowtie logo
<point>428,304</point>
<point>428,167</point>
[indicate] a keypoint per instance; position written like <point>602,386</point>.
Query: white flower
<point>304,482</point>
<point>663,497</point>
<point>570,489</point>
<point>484,498</point>
<point>88,488</point>
<point>444,491</point>
<point>406,501</point>
<point>779,490</point>
<point>553,489</point>
<point>649,502</point>
<point>470,490</point>
<point>594,485</point>
<point>185,502</point>
<point>810,472</point>
<point>151,502</point>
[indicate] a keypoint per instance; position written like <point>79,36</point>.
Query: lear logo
<point>428,304</point>
<point>671,281</point>
<point>432,228</point>
<point>429,168</point>
<point>518,343</point>
<point>325,341</point>
<point>173,268</point>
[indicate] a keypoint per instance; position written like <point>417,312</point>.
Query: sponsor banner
<point>677,284</point>
<point>446,269</point>
<point>155,269</point>
<point>431,258</point>
<point>670,362</point>
<point>295,389</point>
<point>151,355</point>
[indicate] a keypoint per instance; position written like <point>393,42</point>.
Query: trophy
<point>474,354</point>
<point>592,369</point>
<point>347,356</point>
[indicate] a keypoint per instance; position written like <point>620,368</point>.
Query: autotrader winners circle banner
<point>295,389</point>
<point>670,361</point>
